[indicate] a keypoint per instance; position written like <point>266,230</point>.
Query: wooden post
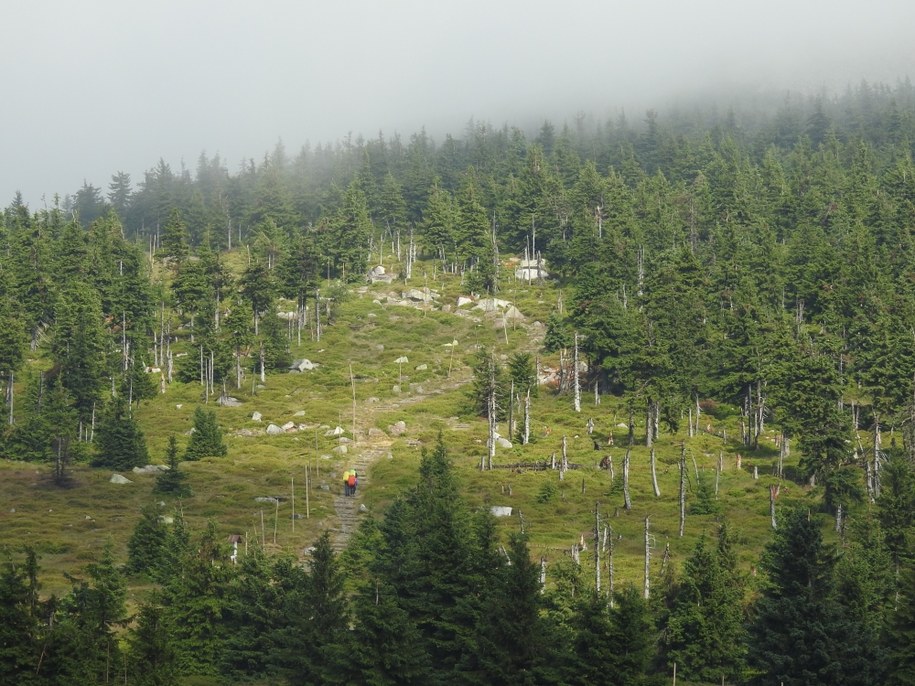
<point>307,512</point>
<point>293,504</point>
<point>276,519</point>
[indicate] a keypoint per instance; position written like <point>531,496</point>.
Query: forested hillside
<point>694,331</point>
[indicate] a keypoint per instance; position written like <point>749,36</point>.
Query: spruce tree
<point>144,548</point>
<point>172,481</point>
<point>119,441</point>
<point>797,633</point>
<point>151,657</point>
<point>206,439</point>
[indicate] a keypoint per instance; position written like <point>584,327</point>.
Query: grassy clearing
<point>70,526</point>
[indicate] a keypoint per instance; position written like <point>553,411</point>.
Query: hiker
<point>346,486</point>
<point>352,482</point>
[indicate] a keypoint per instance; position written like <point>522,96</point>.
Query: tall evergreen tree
<point>206,440</point>
<point>119,442</point>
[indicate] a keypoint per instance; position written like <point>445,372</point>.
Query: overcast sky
<point>92,87</point>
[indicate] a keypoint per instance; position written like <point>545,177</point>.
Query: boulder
<point>256,416</point>
<point>266,499</point>
<point>336,431</point>
<point>401,360</point>
<point>513,314</point>
<point>303,365</point>
<point>118,479</point>
<point>417,295</point>
<point>228,401</point>
<point>491,304</point>
<point>340,450</point>
<point>398,428</point>
<point>422,367</point>
<point>464,300</point>
<point>500,511</point>
<point>151,469</point>
<point>288,426</point>
<point>274,430</point>
<point>503,442</point>
<point>531,273</point>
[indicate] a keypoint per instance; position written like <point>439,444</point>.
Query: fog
<point>100,86</point>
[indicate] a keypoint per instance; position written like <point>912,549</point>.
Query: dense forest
<point>760,257</point>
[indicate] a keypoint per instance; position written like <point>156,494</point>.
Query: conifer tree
<point>173,480</point>
<point>144,548</point>
<point>206,440</point>
<point>151,657</point>
<point>119,444</point>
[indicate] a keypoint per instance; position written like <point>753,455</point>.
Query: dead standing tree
<point>682,495</point>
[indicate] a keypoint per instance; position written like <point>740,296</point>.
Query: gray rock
<point>336,431</point>
<point>288,426</point>
<point>256,416</point>
<point>340,450</point>
<point>150,469</point>
<point>464,300</point>
<point>363,508</point>
<point>398,428</point>
<point>228,401</point>
<point>274,430</point>
<point>118,479</point>
<point>503,442</point>
<point>266,499</point>
<point>500,511</point>
<point>303,365</point>
<point>422,367</point>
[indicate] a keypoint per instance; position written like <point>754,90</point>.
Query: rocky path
<point>371,445</point>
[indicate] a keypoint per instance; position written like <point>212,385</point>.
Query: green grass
<point>70,526</point>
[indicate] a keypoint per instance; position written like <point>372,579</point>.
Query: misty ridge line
<point>742,111</point>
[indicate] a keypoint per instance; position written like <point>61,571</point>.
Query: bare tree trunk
<point>877,442</point>
<point>263,363</point>
<point>782,454</point>
<point>597,547</point>
<point>646,585</point>
<point>608,540</point>
<point>352,381</point>
<point>649,421</point>
<point>542,575</point>
<point>576,386</point>
<point>654,475</point>
<point>526,436</point>
<point>682,495</point>
<point>627,500</point>
<point>564,463</point>
<point>773,494</point>
<point>491,417</point>
<point>9,398</point>
<point>317,315</point>
<point>511,412</point>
